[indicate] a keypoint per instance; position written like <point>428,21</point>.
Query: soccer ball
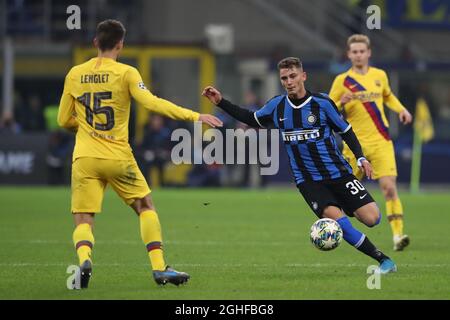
<point>326,234</point>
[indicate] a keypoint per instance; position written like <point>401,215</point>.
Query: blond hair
<point>358,38</point>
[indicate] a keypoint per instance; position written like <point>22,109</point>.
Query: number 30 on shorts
<point>354,186</point>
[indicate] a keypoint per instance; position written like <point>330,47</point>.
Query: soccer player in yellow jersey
<point>361,93</point>
<point>96,104</point>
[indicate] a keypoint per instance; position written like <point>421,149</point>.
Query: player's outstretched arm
<point>210,120</point>
<point>164,107</point>
<point>240,114</point>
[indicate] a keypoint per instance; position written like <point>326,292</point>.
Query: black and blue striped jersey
<point>307,131</point>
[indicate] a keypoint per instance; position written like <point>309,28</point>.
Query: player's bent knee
<point>389,193</point>
<point>389,190</point>
<point>373,221</point>
<point>369,214</point>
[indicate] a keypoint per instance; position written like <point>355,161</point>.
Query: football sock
<point>151,236</point>
<point>369,249</point>
<point>351,235</point>
<point>394,211</point>
<point>359,239</point>
<point>83,239</point>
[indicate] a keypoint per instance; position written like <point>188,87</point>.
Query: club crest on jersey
<point>142,86</point>
<point>378,83</point>
<point>311,119</point>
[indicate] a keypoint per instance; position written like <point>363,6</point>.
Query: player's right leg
<point>327,199</point>
<point>356,201</point>
<point>87,197</point>
<point>359,240</point>
<point>131,186</point>
<point>152,238</point>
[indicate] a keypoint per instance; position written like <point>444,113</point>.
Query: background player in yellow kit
<point>96,104</point>
<point>361,93</point>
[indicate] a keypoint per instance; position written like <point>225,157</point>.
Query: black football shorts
<point>346,192</point>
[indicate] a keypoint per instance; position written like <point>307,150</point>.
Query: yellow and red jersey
<point>96,100</point>
<point>365,112</point>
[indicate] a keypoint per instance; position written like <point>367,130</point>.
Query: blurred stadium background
<point>181,46</point>
<point>258,239</point>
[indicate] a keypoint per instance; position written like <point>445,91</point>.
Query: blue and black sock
<point>359,240</point>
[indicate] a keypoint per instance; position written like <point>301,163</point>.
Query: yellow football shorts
<point>380,156</point>
<point>90,176</point>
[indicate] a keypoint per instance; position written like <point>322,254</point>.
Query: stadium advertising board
<point>22,159</point>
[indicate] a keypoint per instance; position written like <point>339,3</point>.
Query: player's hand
<point>211,120</point>
<point>366,167</point>
<point>405,117</point>
<point>212,94</point>
<point>346,97</point>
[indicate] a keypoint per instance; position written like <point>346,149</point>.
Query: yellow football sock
<point>151,236</point>
<point>83,239</point>
<point>394,211</point>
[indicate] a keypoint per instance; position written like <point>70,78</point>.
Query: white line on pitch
<point>237,265</point>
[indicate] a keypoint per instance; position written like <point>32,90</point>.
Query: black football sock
<point>368,248</point>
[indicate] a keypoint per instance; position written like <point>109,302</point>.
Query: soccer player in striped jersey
<point>96,104</point>
<point>361,93</point>
<point>306,122</point>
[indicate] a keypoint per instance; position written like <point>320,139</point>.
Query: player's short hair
<point>109,33</point>
<point>290,62</point>
<point>358,38</point>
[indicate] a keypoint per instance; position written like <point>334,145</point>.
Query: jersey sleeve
<point>66,112</point>
<point>144,97</point>
<point>335,118</point>
<point>389,99</point>
<point>336,92</point>
<point>264,116</point>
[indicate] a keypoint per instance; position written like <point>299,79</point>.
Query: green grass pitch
<point>236,244</point>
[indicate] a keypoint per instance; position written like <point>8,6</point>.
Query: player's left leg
<point>83,239</point>
<point>87,197</point>
<point>369,214</point>
<point>394,211</point>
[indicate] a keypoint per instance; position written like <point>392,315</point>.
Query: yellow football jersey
<point>96,100</point>
<point>365,112</point>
